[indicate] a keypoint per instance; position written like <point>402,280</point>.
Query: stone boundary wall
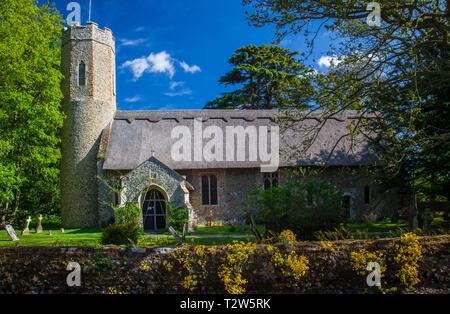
<point>43,270</point>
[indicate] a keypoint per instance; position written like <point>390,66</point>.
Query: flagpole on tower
<point>89,10</point>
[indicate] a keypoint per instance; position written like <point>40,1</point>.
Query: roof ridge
<point>156,115</point>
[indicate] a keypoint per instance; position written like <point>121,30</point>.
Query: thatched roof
<point>135,136</point>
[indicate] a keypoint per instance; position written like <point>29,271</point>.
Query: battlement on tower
<point>90,31</point>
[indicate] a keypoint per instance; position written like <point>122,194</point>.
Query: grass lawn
<point>386,226</point>
<point>91,237</point>
<point>379,226</point>
<point>73,237</point>
<point>225,230</point>
<point>214,241</point>
<point>218,230</point>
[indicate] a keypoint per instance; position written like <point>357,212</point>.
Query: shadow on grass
<point>87,230</point>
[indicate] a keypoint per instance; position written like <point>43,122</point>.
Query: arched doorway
<point>154,210</point>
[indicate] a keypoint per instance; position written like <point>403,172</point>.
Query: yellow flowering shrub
<point>359,261</point>
<point>237,256</point>
<point>409,252</point>
<point>291,264</point>
<point>190,282</point>
<point>327,245</point>
<point>287,236</point>
<point>362,258</point>
<point>270,248</point>
<point>193,262</point>
<point>114,291</point>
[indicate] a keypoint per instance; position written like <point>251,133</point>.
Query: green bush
<point>120,234</point>
<point>177,217</point>
<point>127,214</point>
<point>51,222</point>
<point>304,206</point>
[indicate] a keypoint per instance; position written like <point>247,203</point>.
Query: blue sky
<point>171,54</point>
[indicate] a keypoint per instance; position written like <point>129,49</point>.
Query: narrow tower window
<point>82,74</point>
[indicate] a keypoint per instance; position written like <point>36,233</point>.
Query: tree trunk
<point>413,214</point>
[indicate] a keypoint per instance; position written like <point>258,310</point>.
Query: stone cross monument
<point>26,231</point>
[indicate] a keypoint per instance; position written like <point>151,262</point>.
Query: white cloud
<point>182,93</point>
<point>131,42</point>
<point>137,66</point>
<point>161,63</point>
<point>155,63</point>
<point>174,85</point>
<point>190,69</point>
<point>328,61</point>
<point>133,99</point>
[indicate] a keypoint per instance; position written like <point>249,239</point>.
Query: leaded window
<point>82,74</point>
<point>209,190</point>
<point>271,179</point>
<point>154,210</point>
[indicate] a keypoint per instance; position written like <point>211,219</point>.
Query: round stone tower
<point>88,65</point>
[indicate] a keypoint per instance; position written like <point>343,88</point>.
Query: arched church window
<point>271,179</point>
<point>209,190</point>
<point>82,74</point>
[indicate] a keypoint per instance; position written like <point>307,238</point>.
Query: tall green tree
<point>30,95</point>
<point>396,75</point>
<point>268,76</point>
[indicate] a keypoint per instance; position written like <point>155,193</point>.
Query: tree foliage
<point>30,116</point>
<point>269,77</point>
<point>300,204</point>
<point>177,217</point>
<point>397,74</point>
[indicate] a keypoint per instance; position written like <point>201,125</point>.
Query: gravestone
<point>26,231</point>
<point>11,233</point>
<point>39,226</point>
<point>176,235</point>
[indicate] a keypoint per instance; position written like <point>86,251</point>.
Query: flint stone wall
<point>43,270</point>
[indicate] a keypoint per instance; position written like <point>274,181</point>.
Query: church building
<point>205,160</point>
